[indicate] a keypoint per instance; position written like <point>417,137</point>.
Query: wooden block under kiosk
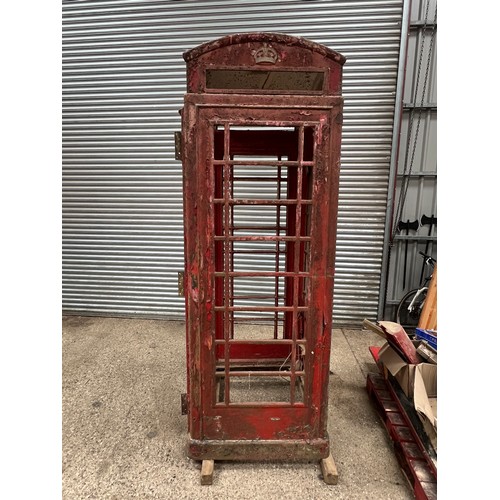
<point>207,472</point>
<point>329,470</point>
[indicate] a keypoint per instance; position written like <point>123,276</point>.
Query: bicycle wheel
<point>408,317</point>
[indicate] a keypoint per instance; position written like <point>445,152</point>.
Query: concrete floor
<point>124,437</point>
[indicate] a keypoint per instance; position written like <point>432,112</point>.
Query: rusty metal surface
<point>260,51</point>
<point>261,389</point>
<point>275,38</point>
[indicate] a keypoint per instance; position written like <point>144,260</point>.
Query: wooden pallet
<point>412,455</point>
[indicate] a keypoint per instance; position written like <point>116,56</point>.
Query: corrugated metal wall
<point>417,159</point>
<point>123,84</point>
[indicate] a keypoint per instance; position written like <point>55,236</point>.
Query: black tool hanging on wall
<point>424,221</point>
<point>406,226</point>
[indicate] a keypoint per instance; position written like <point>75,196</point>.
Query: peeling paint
<point>309,123</point>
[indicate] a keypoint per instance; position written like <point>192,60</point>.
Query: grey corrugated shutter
<point>123,84</point>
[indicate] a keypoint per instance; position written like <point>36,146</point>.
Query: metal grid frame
<point>299,189</point>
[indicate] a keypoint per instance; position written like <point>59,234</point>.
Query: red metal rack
<point>410,451</point>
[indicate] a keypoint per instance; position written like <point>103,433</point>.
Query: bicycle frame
<point>420,291</point>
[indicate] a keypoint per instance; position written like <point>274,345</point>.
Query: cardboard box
<point>419,383</point>
<point>425,398</point>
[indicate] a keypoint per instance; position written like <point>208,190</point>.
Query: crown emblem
<point>265,55</point>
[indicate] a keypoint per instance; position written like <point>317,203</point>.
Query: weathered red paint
<point>300,128</point>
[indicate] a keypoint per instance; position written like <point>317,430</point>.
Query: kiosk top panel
<point>263,63</point>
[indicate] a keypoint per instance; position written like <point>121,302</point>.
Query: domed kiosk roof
<point>243,38</point>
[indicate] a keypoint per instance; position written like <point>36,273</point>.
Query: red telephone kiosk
<point>261,133</point>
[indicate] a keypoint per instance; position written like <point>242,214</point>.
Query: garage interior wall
<point>123,86</point>
<point>416,179</point>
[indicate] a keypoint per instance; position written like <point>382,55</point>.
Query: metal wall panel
<point>418,141</point>
<point>123,84</point>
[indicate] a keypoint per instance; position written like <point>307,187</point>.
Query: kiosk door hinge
<point>180,283</point>
<point>184,404</point>
<point>178,145</point>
